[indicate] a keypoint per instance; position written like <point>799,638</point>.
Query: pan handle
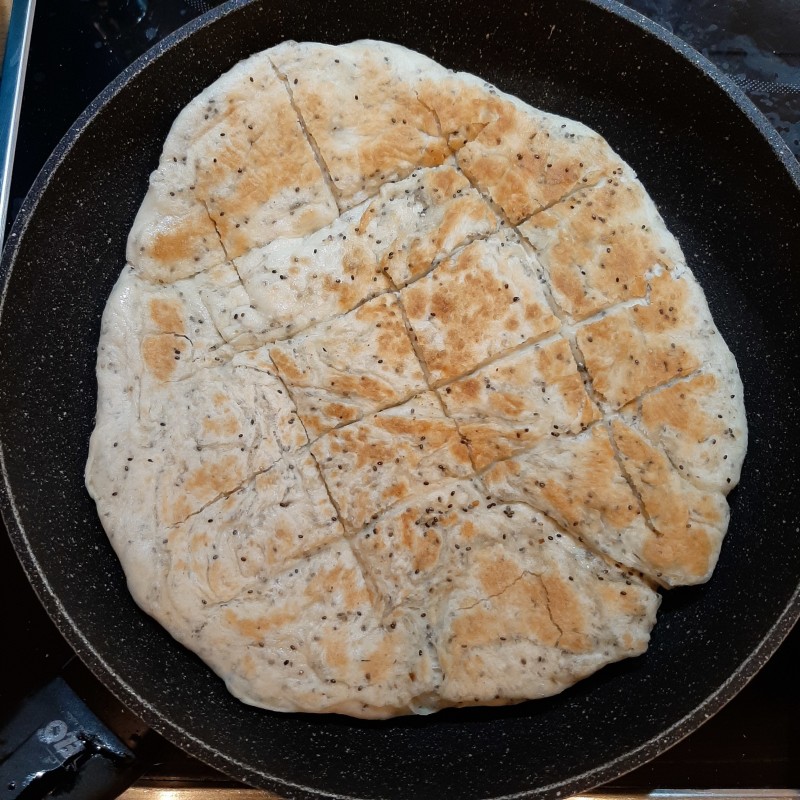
<point>13,81</point>
<point>54,745</point>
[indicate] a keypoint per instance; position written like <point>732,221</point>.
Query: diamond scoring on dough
<point>473,163</point>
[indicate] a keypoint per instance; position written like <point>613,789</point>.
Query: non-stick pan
<point>726,186</point>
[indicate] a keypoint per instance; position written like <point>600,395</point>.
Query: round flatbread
<point>407,397</point>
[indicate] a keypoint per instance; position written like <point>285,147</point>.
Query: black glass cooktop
<point>78,46</point>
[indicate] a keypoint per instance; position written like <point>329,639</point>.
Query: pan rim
<point>196,746</point>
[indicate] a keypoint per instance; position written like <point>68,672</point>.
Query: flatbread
<point>407,397</point>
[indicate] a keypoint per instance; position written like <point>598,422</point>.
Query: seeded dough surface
<point>407,398</point>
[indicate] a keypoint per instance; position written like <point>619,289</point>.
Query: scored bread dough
<point>407,397</point>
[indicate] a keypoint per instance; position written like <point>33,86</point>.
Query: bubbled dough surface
<point>407,398</point>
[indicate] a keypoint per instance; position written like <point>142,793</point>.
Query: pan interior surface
<point>721,188</point>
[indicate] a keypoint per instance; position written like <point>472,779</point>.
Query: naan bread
<point>407,397</point>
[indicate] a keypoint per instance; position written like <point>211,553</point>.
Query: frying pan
<point>726,186</point>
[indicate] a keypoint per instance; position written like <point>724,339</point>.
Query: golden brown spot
<point>487,444</point>
<point>338,412</point>
<point>424,550</point>
<point>687,551</point>
<point>198,543</point>
<point>180,239</point>
<point>506,404</point>
<point>335,650</point>
<point>567,614</point>
<point>227,425</point>
<point>214,477</point>
<point>161,354</point>
<point>496,575</point>
<point>254,629</point>
<point>365,386</point>
<point>467,530</point>
<point>397,490</point>
<point>167,315</point>
<point>286,364</point>
<point>338,581</point>
<point>680,407</point>
<point>173,507</point>
<point>465,391</point>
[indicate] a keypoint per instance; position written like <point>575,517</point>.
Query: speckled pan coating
<point>726,186</point>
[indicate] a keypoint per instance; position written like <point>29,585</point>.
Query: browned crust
<point>475,306</point>
<point>631,350</point>
<point>365,117</point>
<point>599,245</point>
<point>688,522</point>
<point>525,160</point>
<point>356,365</point>
<point>518,400</point>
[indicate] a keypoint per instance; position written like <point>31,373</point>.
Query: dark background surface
<point>78,46</point>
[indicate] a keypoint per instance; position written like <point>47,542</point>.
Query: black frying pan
<point>726,186</point>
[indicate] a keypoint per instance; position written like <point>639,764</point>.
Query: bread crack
<point>454,253</point>
<point>221,496</point>
<point>216,228</point>
<point>415,344</point>
<point>579,188</point>
<point>523,574</point>
<point>533,447</point>
<point>596,397</point>
<point>681,473</point>
<point>548,604</point>
<point>201,368</point>
<point>505,222</point>
<point>372,589</point>
<point>660,387</point>
<point>625,474</point>
<point>312,143</point>
<point>428,379</point>
<point>277,375</point>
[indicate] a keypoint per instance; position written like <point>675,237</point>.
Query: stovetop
<point>77,47</point>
